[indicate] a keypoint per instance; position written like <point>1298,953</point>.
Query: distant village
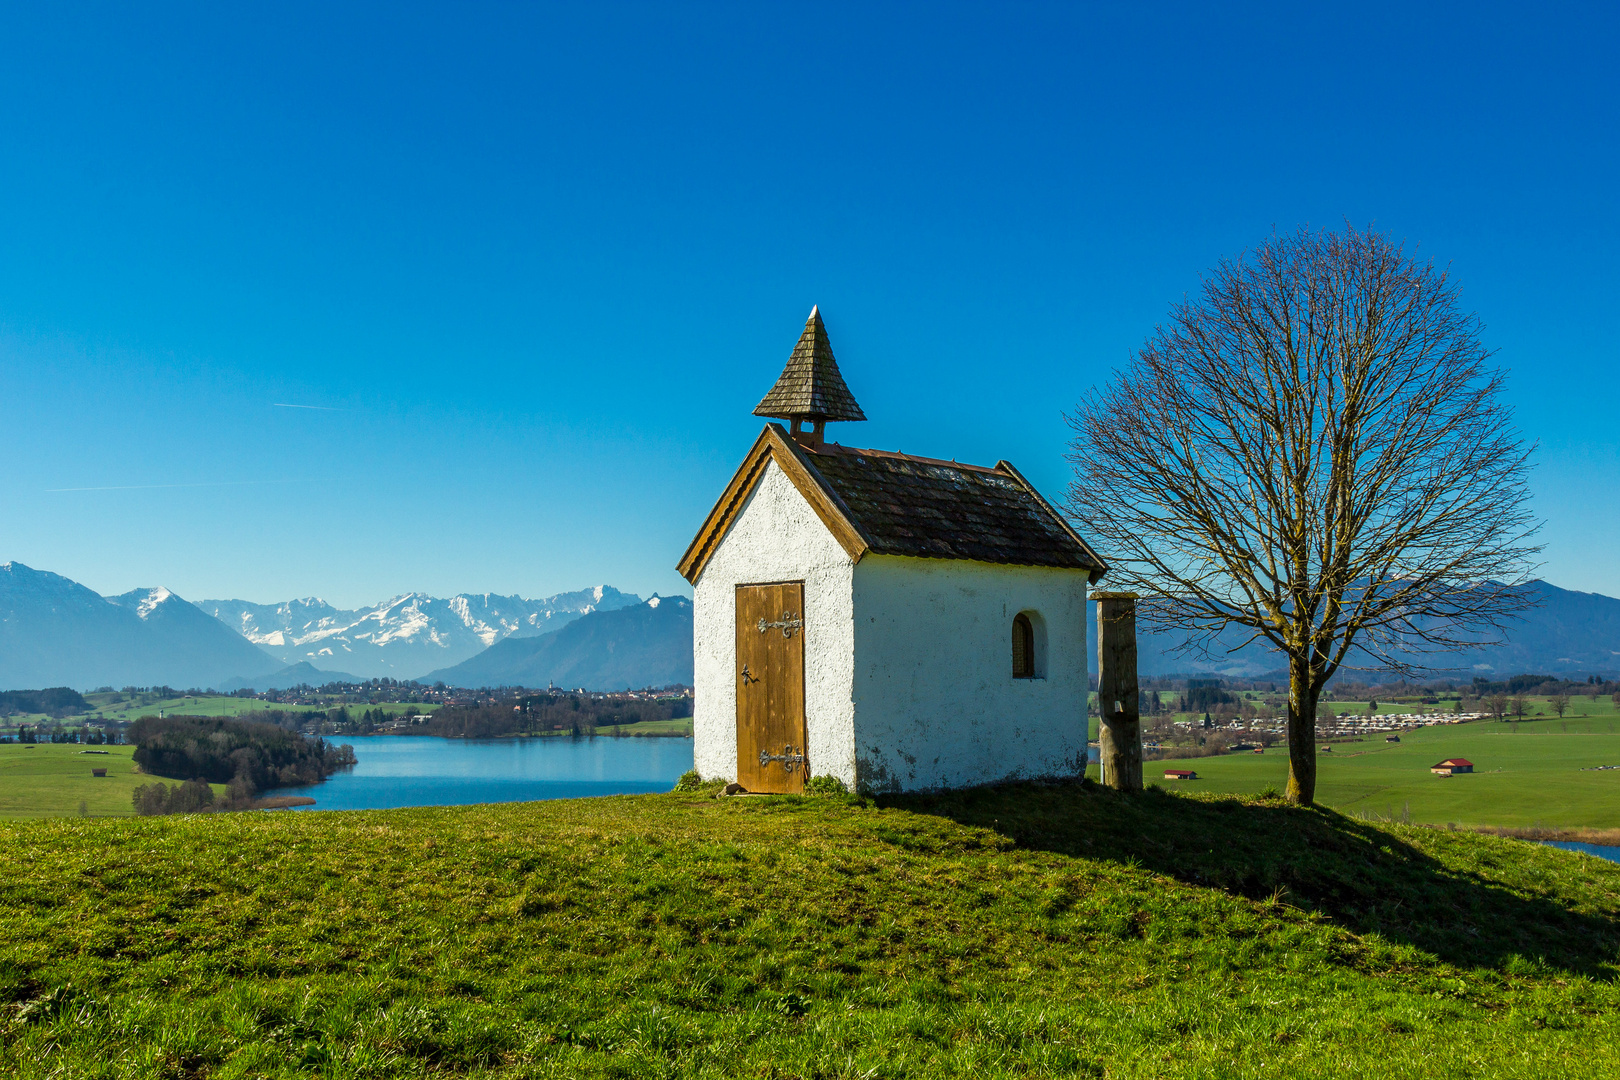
<point>376,706</point>
<point>1182,716</point>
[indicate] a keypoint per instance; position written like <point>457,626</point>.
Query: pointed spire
<point>810,387</point>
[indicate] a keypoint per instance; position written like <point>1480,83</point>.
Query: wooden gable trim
<point>1098,568</point>
<point>827,504</point>
<point>773,445</point>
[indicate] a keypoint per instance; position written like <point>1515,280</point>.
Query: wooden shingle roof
<point>926,508</point>
<point>811,387</point>
<point>878,502</point>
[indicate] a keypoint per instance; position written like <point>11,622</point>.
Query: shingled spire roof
<point>810,387</point>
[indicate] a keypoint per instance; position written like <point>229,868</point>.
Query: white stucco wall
<point>776,537</point>
<point>935,702</point>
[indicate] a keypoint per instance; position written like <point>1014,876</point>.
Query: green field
<point>54,780</point>
<point>664,728</point>
<point>129,708</point>
<point>1536,776</point>
<point>1025,931</point>
<point>218,705</point>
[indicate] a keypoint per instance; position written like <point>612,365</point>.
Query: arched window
<point>1023,643</point>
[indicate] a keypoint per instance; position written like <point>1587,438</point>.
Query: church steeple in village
<point>810,390</point>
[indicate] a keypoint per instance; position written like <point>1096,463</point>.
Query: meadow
<point>680,727</point>
<point>1535,772</point>
<point>118,707</point>
<point>1050,930</point>
<point>54,780</point>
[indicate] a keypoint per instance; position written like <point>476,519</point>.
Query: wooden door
<point>770,687</point>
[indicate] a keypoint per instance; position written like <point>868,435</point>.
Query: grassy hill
<point>1024,931</point>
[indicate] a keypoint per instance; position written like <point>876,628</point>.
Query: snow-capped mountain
<point>56,632</point>
<point>643,645</point>
<point>404,637</point>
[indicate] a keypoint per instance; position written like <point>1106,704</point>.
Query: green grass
<point>133,708</point>
<point>1027,931</point>
<point>1520,779</point>
<point>198,705</point>
<point>53,779</point>
<point>681,726</point>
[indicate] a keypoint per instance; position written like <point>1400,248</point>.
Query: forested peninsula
<point>248,754</point>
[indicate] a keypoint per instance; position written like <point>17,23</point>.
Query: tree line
<point>56,701</point>
<point>248,754</point>
<point>190,797</point>
<point>538,714</point>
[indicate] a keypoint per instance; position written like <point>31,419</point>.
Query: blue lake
<point>1602,851</point>
<point>408,770</point>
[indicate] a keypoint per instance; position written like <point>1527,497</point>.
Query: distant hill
<point>405,635</point>
<point>55,700</point>
<point>56,632</point>
<point>1567,633</point>
<point>292,675</point>
<point>646,645</point>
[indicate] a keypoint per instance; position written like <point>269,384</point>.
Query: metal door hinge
<point>790,757</point>
<point>787,624</point>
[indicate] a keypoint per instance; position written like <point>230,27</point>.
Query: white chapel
<point>898,622</point>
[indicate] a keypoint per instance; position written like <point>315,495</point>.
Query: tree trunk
<point>1302,695</point>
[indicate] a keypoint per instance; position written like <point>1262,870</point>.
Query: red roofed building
<point>1451,766</point>
<point>1180,774</point>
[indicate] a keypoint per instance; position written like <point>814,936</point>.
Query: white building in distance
<point>897,622</point>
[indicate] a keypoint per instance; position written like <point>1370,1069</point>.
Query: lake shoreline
<point>393,772</point>
<point>1595,837</point>
<point>512,735</point>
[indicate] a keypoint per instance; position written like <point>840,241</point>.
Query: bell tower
<point>810,390</point>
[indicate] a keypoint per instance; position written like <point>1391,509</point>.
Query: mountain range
<point>1565,632</point>
<point>628,648</point>
<point>56,632</point>
<point>406,636</point>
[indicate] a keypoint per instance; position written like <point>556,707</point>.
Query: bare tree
<point>1559,703</point>
<point>1519,705</point>
<point>1316,452</point>
<point>1498,704</point>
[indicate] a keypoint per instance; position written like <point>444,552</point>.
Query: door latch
<point>748,676</point>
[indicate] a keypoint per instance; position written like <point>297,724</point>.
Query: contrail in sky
<point>322,408</point>
<point>205,483</point>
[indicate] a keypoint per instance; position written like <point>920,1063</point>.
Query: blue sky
<point>537,265</point>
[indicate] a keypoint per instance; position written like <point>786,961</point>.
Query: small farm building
<point>897,622</point>
<point>1452,766</point>
<point>1180,774</point>
<point>1392,738</point>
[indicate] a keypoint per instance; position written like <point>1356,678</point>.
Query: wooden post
<point>1119,731</point>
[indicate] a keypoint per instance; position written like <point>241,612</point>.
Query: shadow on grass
<point>1486,905</point>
